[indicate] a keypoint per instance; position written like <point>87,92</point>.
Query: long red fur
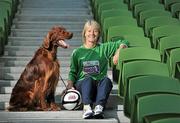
<point>35,89</point>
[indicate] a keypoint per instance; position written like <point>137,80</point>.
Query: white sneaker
<point>87,112</point>
<point>98,112</point>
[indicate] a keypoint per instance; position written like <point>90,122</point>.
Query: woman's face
<point>91,34</point>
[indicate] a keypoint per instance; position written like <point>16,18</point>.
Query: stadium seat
<point>152,22</point>
<point>154,103</point>
<point>122,30</point>
<point>134,2</point>
<point>135,40</point>
<point>168,43</point>
<point>1,42</point>
<point>151,13</point>
<point>112,13</point>
<point>134,54</point>
<point>116,21</point>
<point>163,31</point>
<point>146,6</point>
<point>163,118</point>
<point>172,60</point>
<point>175,9</point>
<point>109,6</point>
<point>167,3</point>
<point>140,68</point>
<point>149,83</point>
<point>97,4</point>
<point>5,19</point>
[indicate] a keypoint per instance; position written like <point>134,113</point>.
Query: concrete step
<point>15,76</point>
<point>13,73</point>
<point>54,18</point>
<point>37,39</point>
<point>34,48</point>
<point>42,30</point>
<point>19,63</point>
<point>53,4</point>
<point>53,13</point>
<point>39,43</point>
<point>59,9</point>
<point>38,32</point>
<point>59,89</point>
<point>111,116</point>
<point>11,83</point>
<point>56,6</point>
<point>59,120</point>
<point>31,53</point>
<point>46,25</point>
<point>113,100</point>
<point>12,58</point>
<point>61,12</point>
<point>20,69</point>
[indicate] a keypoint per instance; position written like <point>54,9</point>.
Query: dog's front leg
<point>43,104</point>
<point>51,101</point>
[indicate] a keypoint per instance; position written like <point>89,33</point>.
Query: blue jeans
<point>94,91</point>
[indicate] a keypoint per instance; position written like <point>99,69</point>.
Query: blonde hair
<point>87,25</point>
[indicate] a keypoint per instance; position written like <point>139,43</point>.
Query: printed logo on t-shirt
<point>91,67</point>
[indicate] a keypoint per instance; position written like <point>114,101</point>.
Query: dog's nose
<point>70,35</point>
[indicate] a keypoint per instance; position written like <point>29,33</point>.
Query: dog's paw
<point>55,107</point>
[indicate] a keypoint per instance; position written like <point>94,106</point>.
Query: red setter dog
<point>35,89</point>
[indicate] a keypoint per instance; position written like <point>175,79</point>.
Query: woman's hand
<point>116,56</point>
<point>70,85</point>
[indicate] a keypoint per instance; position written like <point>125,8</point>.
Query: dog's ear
<point>46,42</point>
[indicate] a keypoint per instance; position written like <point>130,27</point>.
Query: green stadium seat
<point>131,55</point>
<point>172,60</point>
<point>177,70</point>
<point>4,25</point>
<point>122,30</point>
<point>116,21</point>
<point>136,40</point>
<point>163,31</point>
<point>112,13</point>
<point>1,42</point>
<point>152,22</point>
<point>146,6</point>
<point>97,3</point>
<point>163,118</point>
<point>168,43</point>
<point>110,6</point>
<point>151,13</point>
<point>154,103</point>
<point>175,9</point>
<point>167,3</point>
<point>132,3</point>
<point>134,69</point>
<point>149,83</point>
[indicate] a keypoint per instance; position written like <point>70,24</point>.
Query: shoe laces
<point>99,108</point>
<point>87,107</point>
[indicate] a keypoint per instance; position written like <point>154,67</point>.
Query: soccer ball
<point>71,100</point>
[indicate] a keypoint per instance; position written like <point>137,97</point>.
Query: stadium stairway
<point>31,23</point>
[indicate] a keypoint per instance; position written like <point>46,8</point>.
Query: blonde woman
<point>88,69</point>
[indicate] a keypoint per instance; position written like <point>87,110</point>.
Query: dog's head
<point>56,37</point>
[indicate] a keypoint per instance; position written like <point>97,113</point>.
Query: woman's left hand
<point>116,56</point>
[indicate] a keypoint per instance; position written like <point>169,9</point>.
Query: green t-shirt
<point>93,61</point>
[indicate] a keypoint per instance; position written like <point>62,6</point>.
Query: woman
<point>88,69</point>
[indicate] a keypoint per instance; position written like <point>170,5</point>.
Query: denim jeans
<point>93,91</point>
